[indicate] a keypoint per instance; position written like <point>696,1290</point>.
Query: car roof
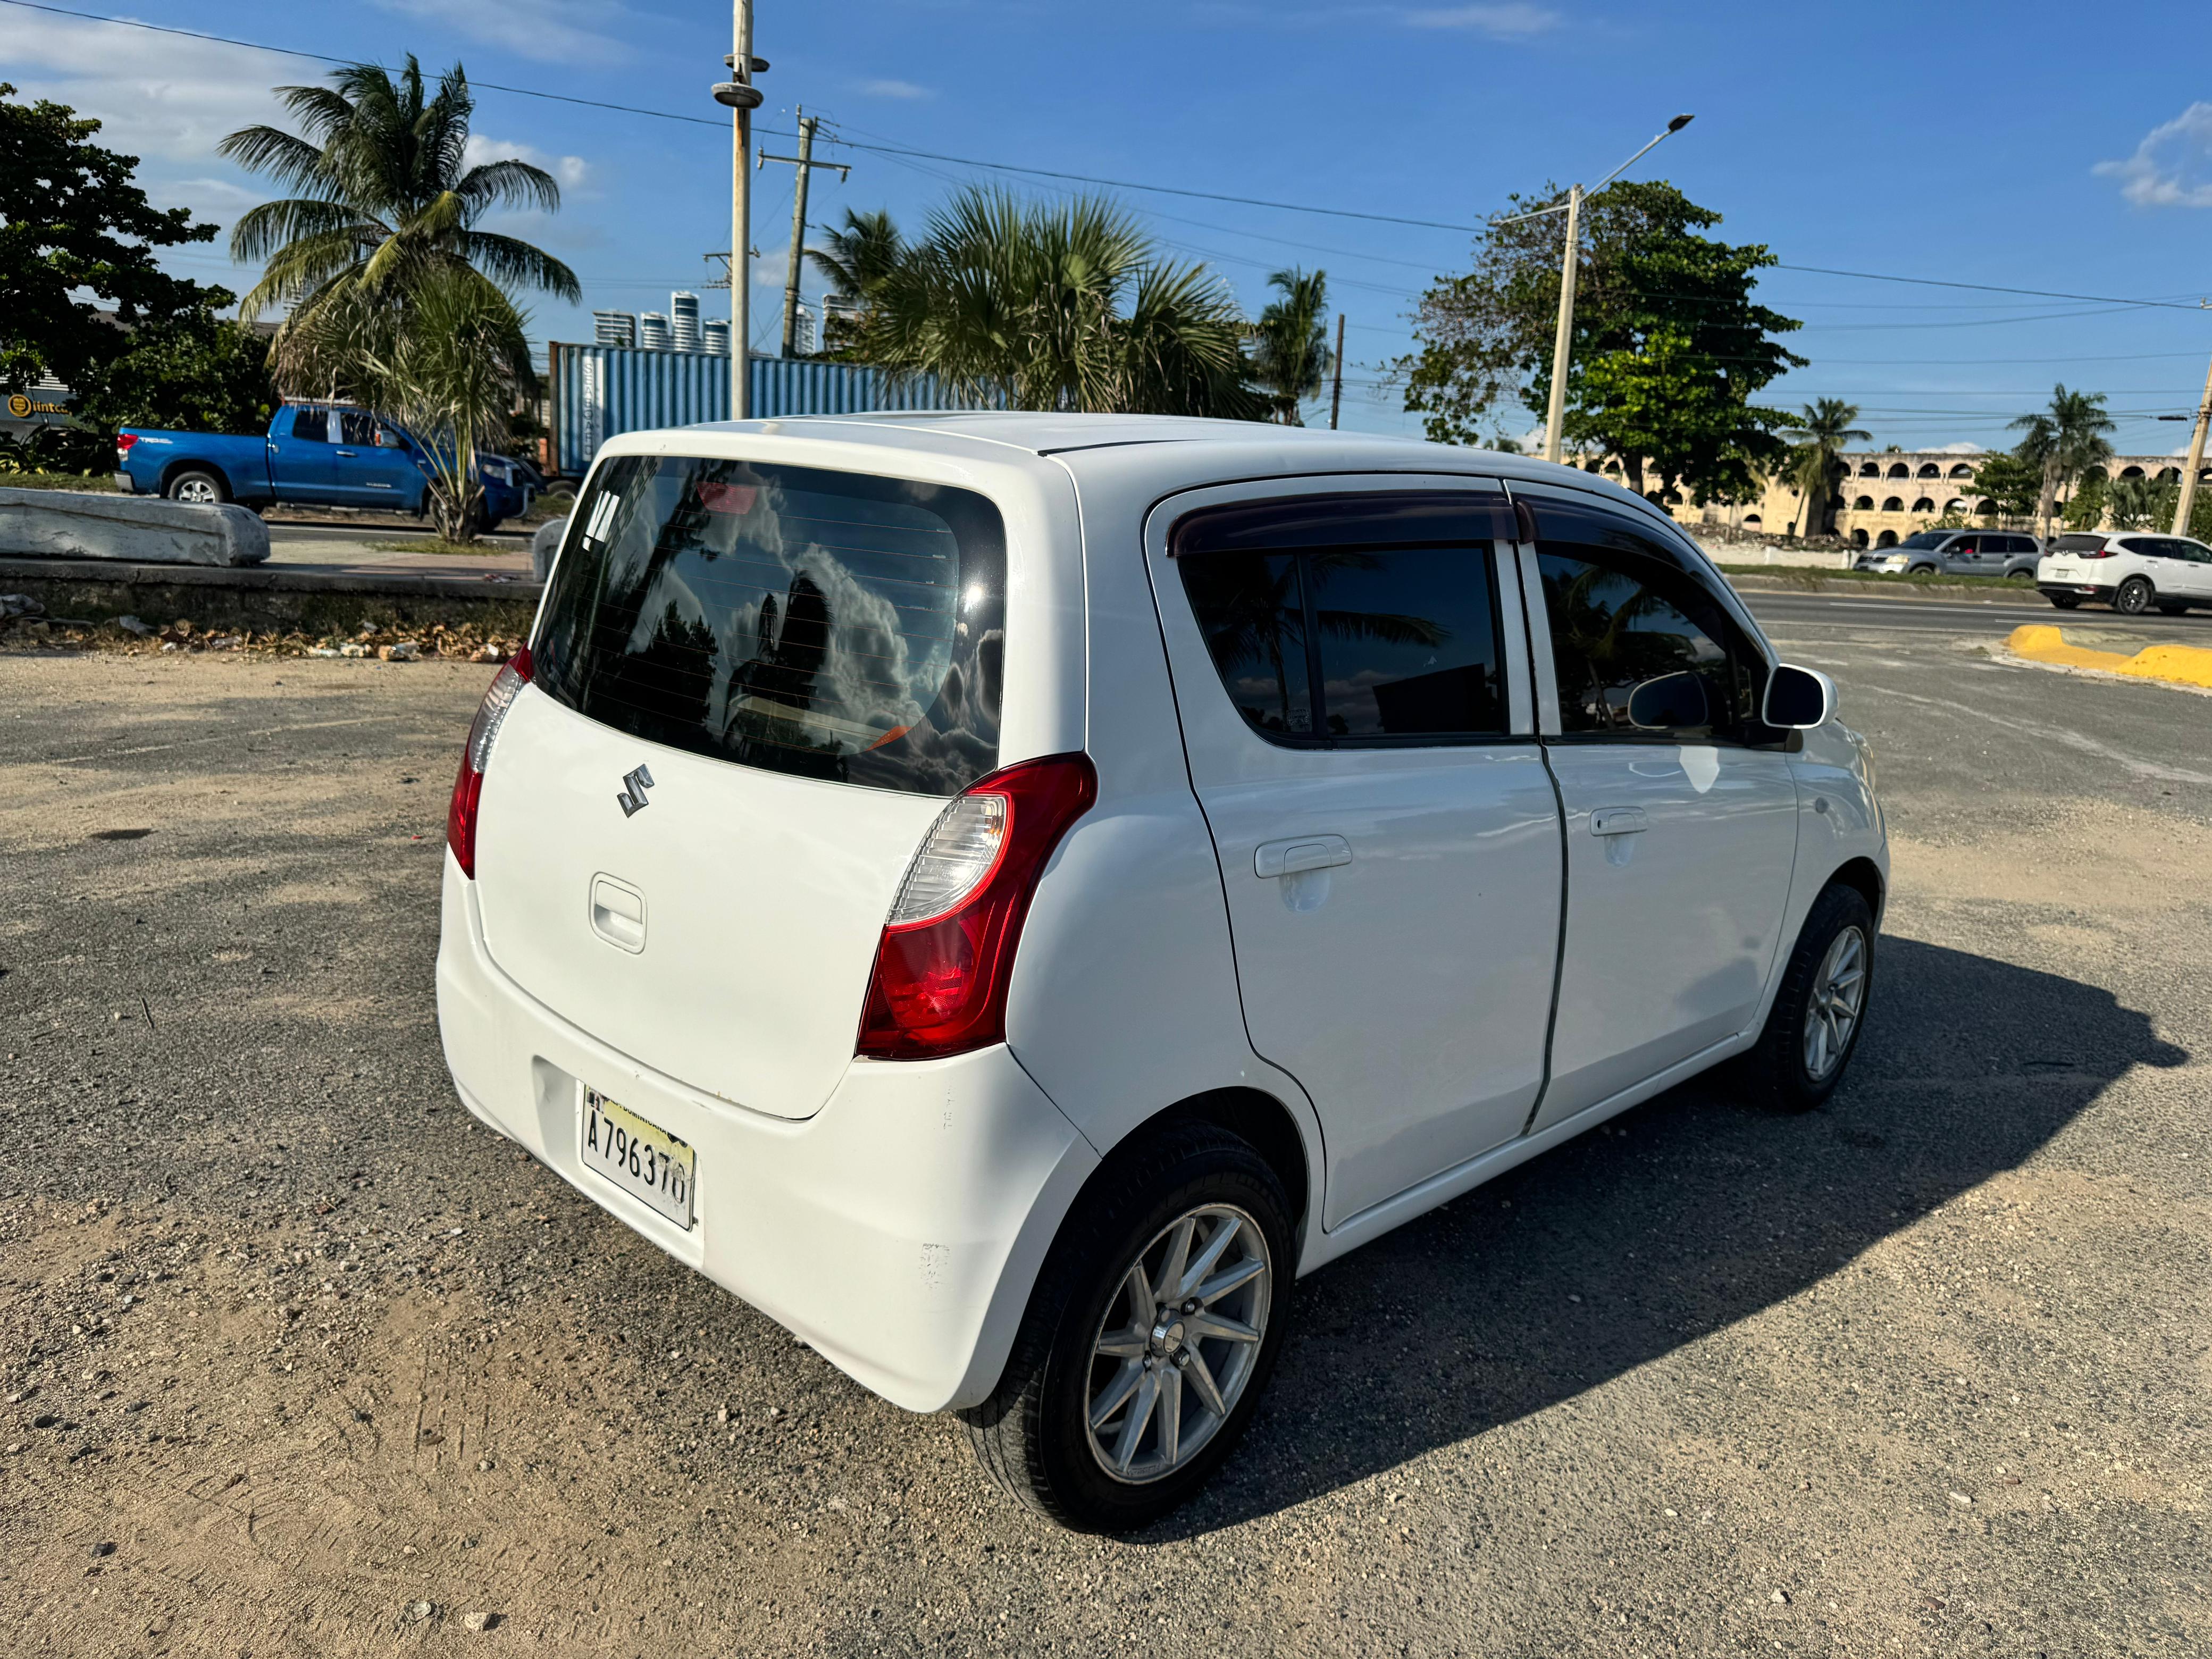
<point>1216,449</point>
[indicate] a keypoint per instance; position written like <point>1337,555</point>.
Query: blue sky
<point>2026,144</point>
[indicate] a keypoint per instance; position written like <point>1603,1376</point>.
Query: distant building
<point>683,320</point>
<point>653,333</point>
<point>716,332</point>
<point>614,328</point>
<point>1882,497</point>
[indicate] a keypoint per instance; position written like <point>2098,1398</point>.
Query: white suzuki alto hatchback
<point>1004,894</point>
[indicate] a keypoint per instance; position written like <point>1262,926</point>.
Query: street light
<point>740,97</point>
<point>1572,207</point>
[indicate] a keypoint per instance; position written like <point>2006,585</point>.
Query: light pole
<point>1563,341</point>
<point>2188,498</point>
<point>742,98</point>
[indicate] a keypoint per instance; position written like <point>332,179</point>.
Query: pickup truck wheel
<point>1814,1027</point>
<point>1149,1337</point>
<point>198,486</point>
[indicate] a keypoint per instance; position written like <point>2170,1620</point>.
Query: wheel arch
<point>195,464</point>
<point>1864,875</point>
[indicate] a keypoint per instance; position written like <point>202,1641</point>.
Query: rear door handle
<point>1618,821</point>
<point>618,913</point>
<point>351,455</point>
<point>1288,857</point>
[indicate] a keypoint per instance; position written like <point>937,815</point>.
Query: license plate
<point>643,1159</point>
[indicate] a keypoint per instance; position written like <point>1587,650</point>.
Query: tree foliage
<point>1669,347</point>
<point>2062,441</point>
<point>195,372</point>
<point>1290,350</point>
<point>2010,484</point>
<point>387,205</point>
<point>1817,462</point>
<point>72,222</point>
<point>858,260</point>
<point>1061,306</point>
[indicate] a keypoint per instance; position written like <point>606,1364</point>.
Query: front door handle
<point>350,455</point>
<point>1289,858</point>
<point>1618,821</point>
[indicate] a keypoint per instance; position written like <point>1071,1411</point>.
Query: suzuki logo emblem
<point>632,799</point>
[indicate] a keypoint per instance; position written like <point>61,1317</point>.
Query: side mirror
<point>1670,702</point>
<point>1798,699</point>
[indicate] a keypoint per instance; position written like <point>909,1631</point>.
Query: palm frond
<point>513,264</point>
<point>507,183</point>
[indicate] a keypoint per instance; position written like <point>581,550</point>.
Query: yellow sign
<point>22,408</point>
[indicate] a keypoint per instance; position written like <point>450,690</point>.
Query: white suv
<point>2129,571</point>
<point>1006,893</point>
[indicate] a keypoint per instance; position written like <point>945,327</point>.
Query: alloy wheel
<point>1179,1342</point>
<point>1832,1013</point>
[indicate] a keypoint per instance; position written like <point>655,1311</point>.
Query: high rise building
<point>683,317</point>
<point>653,332</point>
<point>614,328</point>
<point>716,332</point>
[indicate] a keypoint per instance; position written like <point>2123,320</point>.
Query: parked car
<point>1004,894</point>
<point>2131,571</point>
<point>314,453</point>
<point>1957,553</point>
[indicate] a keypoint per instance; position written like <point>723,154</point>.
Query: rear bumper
<point>899,1230</point>
<point>2076,590</point>
<point>126,485</point>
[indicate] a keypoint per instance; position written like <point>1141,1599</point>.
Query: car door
<point>1350,670</point>
<point>300,466</point>
<point>1681,822</point>
<point>371,469</point>
<point>2192,564</point>
<point>1963,555</point>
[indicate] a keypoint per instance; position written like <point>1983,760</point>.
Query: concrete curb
<point>2188,666</point>
<point>1858,587</point>
<point>132,529</point>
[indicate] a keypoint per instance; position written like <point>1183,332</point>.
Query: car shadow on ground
<point>1681,1218</point>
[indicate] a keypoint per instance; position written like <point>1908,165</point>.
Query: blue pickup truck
<point>322,453</point>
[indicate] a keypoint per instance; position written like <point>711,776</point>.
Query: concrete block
<point>64,524</point>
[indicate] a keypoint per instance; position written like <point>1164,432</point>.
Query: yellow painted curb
<point>2177,664</point>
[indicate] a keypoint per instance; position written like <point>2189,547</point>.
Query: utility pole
<point>741,98</point>
<point>1565,337</point>
<point>1336,386</point>
<point>1572,207</point>
<point>805,163</point>
<point>2181,509</point>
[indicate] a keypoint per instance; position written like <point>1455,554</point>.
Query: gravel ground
<point>297,1359</point>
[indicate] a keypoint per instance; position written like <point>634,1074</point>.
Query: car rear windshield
<point>2077,544</point>
<point>832,625</point>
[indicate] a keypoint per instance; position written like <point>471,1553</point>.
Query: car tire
<point>2134,597</point>
<point>1035,1435</point>
<point>1793,1068</point>
<point>2065,601</point>
<point>195,486</point>
<point>2021,576</point>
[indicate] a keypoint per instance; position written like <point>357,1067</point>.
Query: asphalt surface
<point>299,1360</point>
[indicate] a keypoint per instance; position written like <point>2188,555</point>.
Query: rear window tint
<point>831,625</point>
<point>2077,544</point>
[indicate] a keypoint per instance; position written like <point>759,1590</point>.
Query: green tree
<point>2009,483</point>
<point>1063,306</point>
<point>1817,462</point>
<point>2061,442</point>
<point>2142,503</point>
<point>1665,321</point>
<point>386,203</point>
<point>1290,342</point>
<point>2085,507</point>
<point>73,225</point>
<point>196,372</point>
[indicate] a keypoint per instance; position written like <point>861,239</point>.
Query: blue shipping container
<point>599,392</point>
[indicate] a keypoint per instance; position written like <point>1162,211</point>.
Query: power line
<point>1093,178</point>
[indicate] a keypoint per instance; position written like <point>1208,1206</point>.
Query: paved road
<point>332,1368</point>
<point>347,549</point>
<point>1874,616</point>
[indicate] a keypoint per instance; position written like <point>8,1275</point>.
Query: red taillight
<point>2095,553</point>
<point>123,442</point>
<point>939,985</point>
<point>476,754</point>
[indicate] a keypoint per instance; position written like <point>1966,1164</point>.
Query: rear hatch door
<point>755,686</point>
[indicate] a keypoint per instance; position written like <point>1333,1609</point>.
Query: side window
<point>355,428</point>
<point>1353,621</point>
<point>312,425</point>
<point>1642,652</point>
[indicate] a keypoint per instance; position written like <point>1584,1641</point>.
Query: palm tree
<point>857,260</point>
<point>2065,440</point>
<point>1064,305</point>
<point>385,197</point>
<point>1827,429</point>
<point>1290,343</point>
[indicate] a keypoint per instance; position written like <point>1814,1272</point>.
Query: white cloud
<point>1513,20</point>
<point>889,88</point>
<point>2173,165</point>
<point>569,171</point>
<point>1954,449</point>
<point>550,31</point>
